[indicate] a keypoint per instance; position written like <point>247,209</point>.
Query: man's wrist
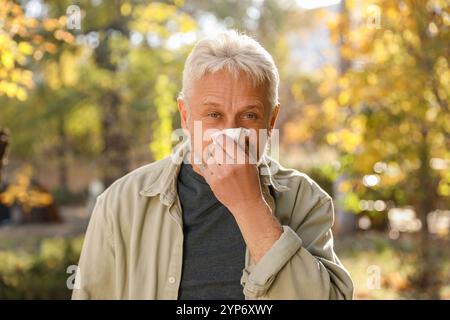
<point>247,208</point>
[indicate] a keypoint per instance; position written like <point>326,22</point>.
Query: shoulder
<point>302,191</point>
<point>128,188</point>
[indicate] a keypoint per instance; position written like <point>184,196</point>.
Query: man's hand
<point>237,186</point>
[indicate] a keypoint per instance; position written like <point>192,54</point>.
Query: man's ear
<point>274,117</point>
<point>183,113</point>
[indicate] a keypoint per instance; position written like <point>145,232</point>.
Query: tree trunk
<point>116,149</point>
<point>62,155</point>
<point>4,141</point>
<point>115,157</point>
<point>345,221</point>
<point>428,267</point>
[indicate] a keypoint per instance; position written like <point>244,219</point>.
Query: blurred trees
<point>387,112</point>
<point>23,40</point>
<point>98,88</point>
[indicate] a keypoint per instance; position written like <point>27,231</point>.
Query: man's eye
<point>214,115</point>
<point>250,115</point>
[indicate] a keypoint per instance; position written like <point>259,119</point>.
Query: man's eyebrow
<point>211,103</point>
<point>246,107</point>
<point>253,106</point>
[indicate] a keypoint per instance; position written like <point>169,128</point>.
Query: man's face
<point>220,101</point>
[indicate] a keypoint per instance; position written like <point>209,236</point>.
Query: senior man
<point>210,226</point>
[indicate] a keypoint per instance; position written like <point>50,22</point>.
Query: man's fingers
<point>235,151</point>
<point>220,156</point>
<point>226,144</point>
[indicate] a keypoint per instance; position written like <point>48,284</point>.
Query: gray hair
<point>233,52</point>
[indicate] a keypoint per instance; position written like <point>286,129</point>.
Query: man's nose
<point>232,122</point>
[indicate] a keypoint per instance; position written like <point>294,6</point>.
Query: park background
<point>88,92</point>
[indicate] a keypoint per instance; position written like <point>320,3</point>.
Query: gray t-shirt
<point>213,249</point>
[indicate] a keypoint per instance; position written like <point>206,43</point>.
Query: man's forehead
<point>221,83</point>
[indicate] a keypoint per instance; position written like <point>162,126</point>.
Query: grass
<point>35,266</point>
<point>382,268</point>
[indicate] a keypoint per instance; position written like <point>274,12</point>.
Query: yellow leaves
<point>311,111</point>
<point>345,140</point>
<point>330,72</point>
<point>62,73</point>
<point>297,92</point>
<point>125,9</point>
<point>372,79</point>
<point>4,41</point>
<point>186,23</point>
<point>162,127</point>
<point>391,13</point>
<point>446,19</point>
<point>178,3</point>
<point>83,119</point>
<point>64,36</point>
<point>52,75</point>
<point>22,192</point>
<point>358,123</point>
<point>444,187</point>
<point>412,38</point>
<point>326,87</point>
<point>69,69</point>
<point>347,51</point>
<point>344,98</point>
<point>84,122</point>
<point>8,88</point>
<point>406,105</point>
<point>432,113</point>
<point>21,94</point>
<point>329,107</point>
<point>15,79</point>
<point>37,39</point>
<point>332,26</point>
<point>7,60</point>
<point>345,186</point>
<point>379,53</point>
<point>154,18</point>
<point>51,24</point>
<point>12,90</point>
<point>349,140</point>
<point>343,82</point>
<point>442,70</point>
<point>296,132</point>
<point>25,48</point>
<point>49,47</point>
<point>393,174</point>
<point>332,138</point>
<point>328,80</point>
<point>155,12</point>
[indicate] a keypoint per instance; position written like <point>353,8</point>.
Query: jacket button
<point>171,280</point>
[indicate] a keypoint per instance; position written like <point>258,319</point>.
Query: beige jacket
<point>134,242</point>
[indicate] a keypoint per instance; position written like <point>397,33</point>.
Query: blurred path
<point>75,223</point>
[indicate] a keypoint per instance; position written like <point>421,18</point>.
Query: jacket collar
<point>166,184</point>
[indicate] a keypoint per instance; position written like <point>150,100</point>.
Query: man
<point>213,226</point>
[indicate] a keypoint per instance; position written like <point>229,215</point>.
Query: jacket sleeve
<point>302,263</point>
<point>96,267</point>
